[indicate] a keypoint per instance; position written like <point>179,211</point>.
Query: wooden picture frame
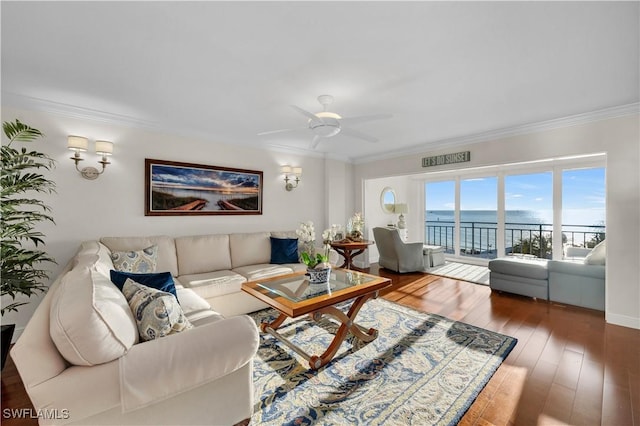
<point>186,189</point>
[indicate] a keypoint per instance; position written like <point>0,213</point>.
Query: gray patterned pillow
<point>137,261</point>
<point>156,312</point>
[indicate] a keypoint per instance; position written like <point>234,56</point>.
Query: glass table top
<point>298,288</point>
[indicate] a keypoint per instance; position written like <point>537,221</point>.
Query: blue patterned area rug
<point>423,369</point>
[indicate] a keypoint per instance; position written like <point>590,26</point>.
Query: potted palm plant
<point>21,260</point>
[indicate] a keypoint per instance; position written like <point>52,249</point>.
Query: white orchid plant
<point>307,235</point>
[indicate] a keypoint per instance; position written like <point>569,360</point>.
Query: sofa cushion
<point>162,281</point>
<point>94,253</point>
<point>284,250</point>
<point>598,255</point>
<point>157,313</point>
<point>213,284</point>
<point>166,249</point>
<point>529,268</point>
<point>90,320</point>
<point>203,253</point>
<point>190,302</point>
<point>250,248</point>
<point>264,270</point>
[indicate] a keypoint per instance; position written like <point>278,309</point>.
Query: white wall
<point>113,205</point>
<point>618,137</point>
<point>372,210</point>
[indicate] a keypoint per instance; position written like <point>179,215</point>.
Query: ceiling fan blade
<point>364,118</point>
<point>358,134</point>
<point>306,113</point>
<point>315,141</point>
<point>271,132</point>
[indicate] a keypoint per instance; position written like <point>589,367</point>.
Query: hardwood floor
<point>569,366</point>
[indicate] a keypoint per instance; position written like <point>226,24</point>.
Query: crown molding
<point>572,120</point>
<point>72,111</point>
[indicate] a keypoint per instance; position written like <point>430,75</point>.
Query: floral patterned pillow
<point>137,261</point>
<point>156,312</point>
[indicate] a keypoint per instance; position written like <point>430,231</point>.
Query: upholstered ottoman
<point>525,276</point>
<point>435,255</point>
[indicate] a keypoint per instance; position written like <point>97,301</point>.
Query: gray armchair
<point>397,255</point>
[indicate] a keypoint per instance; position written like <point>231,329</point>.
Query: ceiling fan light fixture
<point>326,128</point>
<point>328,114</point>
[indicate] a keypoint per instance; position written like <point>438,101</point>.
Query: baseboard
<point>622,320</point>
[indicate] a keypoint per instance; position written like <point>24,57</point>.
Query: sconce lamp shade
<point>104,147</point>
<point>77,143</point>
<point>286,169</point>
<point>297,171</point>
<point>401,208</point>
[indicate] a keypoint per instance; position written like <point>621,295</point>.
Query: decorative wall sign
<point>185,189</point>
<point>440,160</point>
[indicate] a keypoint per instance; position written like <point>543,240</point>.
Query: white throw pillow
<point>90,321</point>
<point>157,313</point>
<point>598,255</point>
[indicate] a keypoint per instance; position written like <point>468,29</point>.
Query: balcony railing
<point>478,239</point>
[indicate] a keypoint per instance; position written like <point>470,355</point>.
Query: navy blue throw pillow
<point>162,281</point>
<point>284,250</point>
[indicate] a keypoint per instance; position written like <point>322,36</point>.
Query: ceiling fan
<point>326,124</point>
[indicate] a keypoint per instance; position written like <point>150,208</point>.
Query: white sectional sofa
<point>215,266</point>
<point>81,358</point>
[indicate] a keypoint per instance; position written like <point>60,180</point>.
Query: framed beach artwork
<point>185,189</point>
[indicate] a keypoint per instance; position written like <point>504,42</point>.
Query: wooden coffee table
<point>293,296</point>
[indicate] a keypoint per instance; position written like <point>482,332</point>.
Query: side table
<point>350,249</point>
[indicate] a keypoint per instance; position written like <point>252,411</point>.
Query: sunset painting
<point>189,189</point>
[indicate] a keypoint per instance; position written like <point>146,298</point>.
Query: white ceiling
<point>226,71</point>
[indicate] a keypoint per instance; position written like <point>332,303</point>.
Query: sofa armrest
<point>161,368</point>
<point>573,268</point>
<point>576,252</point>
<point>411,254</point>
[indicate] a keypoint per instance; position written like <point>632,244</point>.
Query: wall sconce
<point>80,144</point>
<point>288,170</point>
<point>401,208</point>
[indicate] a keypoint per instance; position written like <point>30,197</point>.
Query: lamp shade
<point>286,169</point>
<point>77,143</point>
<point>401,208</point>
<point>104,147</point>
<point>297,171</point>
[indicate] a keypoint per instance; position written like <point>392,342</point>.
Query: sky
<point>583,194</point>
<point>201,178</point>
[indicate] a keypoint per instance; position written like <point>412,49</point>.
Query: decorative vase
<point>319,276</point>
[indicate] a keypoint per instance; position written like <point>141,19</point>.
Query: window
<point>440,209</point>
<point>516,209</point>
<point>478,217</point>
<point>583,207</point>
<point>529,214</point>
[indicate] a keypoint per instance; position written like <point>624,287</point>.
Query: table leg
<point>273,324</point>
<point>346,324</point>
<point>345,256</point>
<point>348,256</point>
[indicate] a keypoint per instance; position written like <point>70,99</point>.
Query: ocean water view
<point>478,231</point>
